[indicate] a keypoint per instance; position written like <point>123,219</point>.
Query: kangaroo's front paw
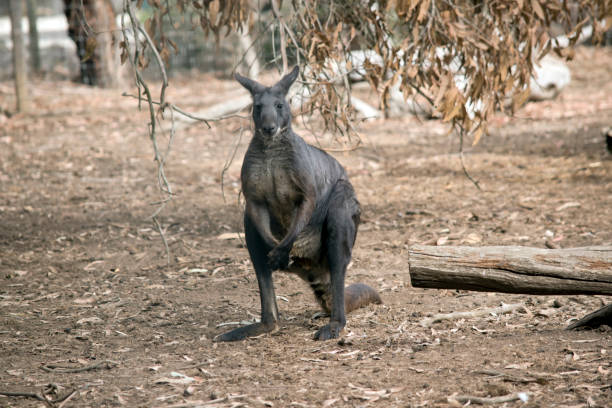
<point>278,258</point>
<point>329,331</point>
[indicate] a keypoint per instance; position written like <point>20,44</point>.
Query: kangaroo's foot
<point>242,333</point>
<point>329,331</point>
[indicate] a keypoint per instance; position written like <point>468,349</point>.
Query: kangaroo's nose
<point>270,130</point>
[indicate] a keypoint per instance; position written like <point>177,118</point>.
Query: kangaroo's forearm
<point>259,215</point>
<point>301,219</point>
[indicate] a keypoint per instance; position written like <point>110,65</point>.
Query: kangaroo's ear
<point>252,86</point>
<point>285,83</point>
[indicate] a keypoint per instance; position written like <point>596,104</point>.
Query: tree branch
<point>281,31</point>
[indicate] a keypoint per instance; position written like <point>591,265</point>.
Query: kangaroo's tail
<point>356,295</point>
<point>359,295</point>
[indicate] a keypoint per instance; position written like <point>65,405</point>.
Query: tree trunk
<point>106,53</point>
<point>19,64</point>
<point>34,48</point>
<point>92,26</point>
<point>249,63</point>
<point>574,271</point>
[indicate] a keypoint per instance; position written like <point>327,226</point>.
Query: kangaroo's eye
<point>279,106</point>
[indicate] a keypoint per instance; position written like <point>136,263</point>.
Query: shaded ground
<point>84,281</point>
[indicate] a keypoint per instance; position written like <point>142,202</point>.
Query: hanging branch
<point>142,86</point>
<point>471,57</point>
<point>461,131</point>
<point>229,161</point>
<point>143,39</point>
<point>176,109</point>
<point>281,32</point>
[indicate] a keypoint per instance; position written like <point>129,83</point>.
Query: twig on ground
<point>210,403</point>
<point>48,401</point>
<point>107,364</point>
<point>474,313</point>
<point>67,398</point>
<point>528,378</point>
<point>23,394</point>
<point>523,396</point>
<point>41,397</point>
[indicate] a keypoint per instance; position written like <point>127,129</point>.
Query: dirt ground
<point>84,284</point>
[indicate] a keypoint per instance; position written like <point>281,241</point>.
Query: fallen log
<point>513,269</point>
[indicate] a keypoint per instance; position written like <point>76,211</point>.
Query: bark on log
<point>512,269</point>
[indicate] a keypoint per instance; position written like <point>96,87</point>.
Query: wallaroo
<point>301,215</point>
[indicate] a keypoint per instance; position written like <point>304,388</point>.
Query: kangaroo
<point>301,215</point>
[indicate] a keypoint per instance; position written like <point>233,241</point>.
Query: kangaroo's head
<point>271,112</point>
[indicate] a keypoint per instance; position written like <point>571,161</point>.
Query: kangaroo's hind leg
<point>338,236</point>
<point>258,251</point>
<point>317,276</point>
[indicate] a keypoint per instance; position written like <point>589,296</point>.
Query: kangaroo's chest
<point>271,181</point>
